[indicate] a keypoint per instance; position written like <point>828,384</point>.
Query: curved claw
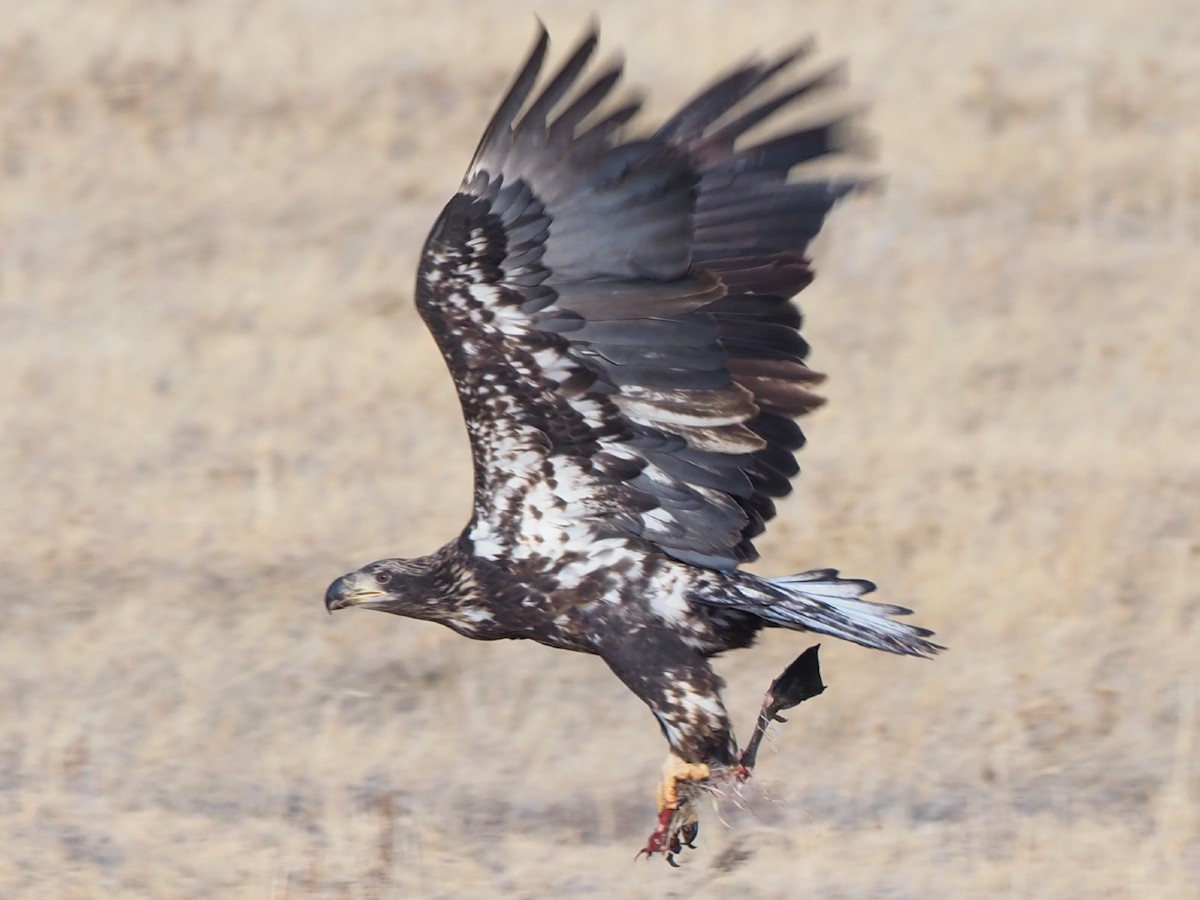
<point>688,834</point>
<point>677,828</point>
<point>685,837</point>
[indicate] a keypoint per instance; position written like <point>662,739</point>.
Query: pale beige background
<point>217,397</point>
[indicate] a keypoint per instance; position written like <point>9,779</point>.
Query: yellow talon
<point>676,770</point>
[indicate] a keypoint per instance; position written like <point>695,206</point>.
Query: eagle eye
<point>382,577</point>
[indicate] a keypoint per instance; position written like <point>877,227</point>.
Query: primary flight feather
<point>616,314</point>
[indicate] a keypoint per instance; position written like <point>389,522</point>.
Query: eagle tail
<point>821,601</point>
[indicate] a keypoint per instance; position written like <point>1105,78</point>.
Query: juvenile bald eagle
<point>616,314</point>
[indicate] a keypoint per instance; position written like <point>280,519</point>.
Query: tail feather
<point>821,601</point>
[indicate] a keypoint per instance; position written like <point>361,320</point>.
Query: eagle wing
<point>616,312</point>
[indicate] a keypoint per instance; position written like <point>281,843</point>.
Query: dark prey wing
<point>616,313</point>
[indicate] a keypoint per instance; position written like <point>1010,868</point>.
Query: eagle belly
<point>568,589</point>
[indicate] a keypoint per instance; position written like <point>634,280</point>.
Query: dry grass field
<point>216,397</point>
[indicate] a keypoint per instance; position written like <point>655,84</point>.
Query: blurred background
<point>217,397</point>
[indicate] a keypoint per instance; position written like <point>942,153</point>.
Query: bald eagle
<point>616,313</point>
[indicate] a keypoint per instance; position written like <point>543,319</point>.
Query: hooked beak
<point>354,589</point>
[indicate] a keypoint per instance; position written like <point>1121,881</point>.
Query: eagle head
<point>393,585</point>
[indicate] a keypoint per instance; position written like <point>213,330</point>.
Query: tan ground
<point>217,397</point>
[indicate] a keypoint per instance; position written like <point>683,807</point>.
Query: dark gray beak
<point>336,596</point>
<point>351,590</point>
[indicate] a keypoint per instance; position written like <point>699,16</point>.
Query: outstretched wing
<point>616,314</point>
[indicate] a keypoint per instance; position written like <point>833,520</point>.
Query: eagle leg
<point>677,771</point>
<point>680,687</point>
<point>678,822</point>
